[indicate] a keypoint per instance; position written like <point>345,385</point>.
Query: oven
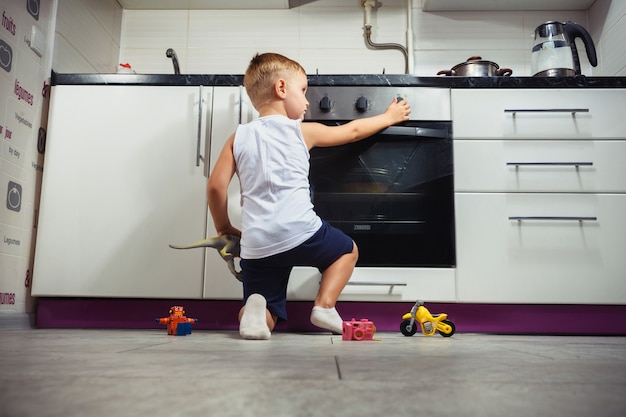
<point>392,192</point>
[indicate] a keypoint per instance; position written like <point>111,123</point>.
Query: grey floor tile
<point>148,373</point>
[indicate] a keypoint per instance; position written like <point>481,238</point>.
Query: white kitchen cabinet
<point>122,180</point>
<point>540,166</point>
<point>566,248</point>
<point>540,195</point>
<point>539,114</point>
<point>231,106</point>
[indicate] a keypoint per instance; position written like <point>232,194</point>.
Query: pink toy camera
<point>358,330</point>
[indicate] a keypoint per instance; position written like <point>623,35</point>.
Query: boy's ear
<point>280,88</point>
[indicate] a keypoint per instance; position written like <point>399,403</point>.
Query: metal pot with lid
<point>475,66</point>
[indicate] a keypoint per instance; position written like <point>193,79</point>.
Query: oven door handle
<point>415,131</point>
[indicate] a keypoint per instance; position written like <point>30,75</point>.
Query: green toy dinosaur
<point>226,245</point>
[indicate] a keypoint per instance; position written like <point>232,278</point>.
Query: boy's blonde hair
<point>263,71</point>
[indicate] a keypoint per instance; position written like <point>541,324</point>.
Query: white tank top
<point>273,167</point>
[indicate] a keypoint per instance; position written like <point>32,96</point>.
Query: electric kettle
<point>554,52</point>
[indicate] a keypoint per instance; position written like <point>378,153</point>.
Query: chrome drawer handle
<point>572,111</point>
<point>378,284</point>
<point>565,164</point>
<point>559,218</point>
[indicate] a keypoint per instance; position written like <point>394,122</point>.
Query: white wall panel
<point>467,30</point>
<point>352,61</point>
<point>328,36</point>
<point>67,59</point>
<point>91,29</point>
<point>342,27</point>
<point>259,29</point>
<point>614,48</point>
<point>215,60</point>
<point>147,29</point>
<point>608,23</point>
<point>147,35</point>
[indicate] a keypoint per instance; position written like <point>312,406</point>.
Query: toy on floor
<point>177,323</point>
<point>226,245</point>
<point>429,323</point>
<point>358,330</point>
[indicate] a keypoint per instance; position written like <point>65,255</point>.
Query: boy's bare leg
<point>255,320</point>
<point>334,279</point>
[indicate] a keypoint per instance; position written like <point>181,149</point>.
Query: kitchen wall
<point>326,36</point>
<point>86,39</point>
<point>607,22</point>
<point>23,96</point>
<point>87,36</point>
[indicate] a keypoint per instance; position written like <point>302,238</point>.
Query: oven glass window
<point>392,194</point>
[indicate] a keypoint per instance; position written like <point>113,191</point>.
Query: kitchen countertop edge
<point>580,81</point>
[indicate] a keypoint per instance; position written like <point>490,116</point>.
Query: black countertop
<point>580,81</point>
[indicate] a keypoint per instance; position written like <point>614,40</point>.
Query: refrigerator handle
<point>199,138</point>
<point>240,103</point>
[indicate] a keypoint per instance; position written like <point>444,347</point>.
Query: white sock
<point>253,324</point>
<point>327,318</point>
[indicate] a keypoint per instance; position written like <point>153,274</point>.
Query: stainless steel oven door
<point>392,193</point>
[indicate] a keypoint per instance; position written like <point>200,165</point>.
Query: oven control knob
<point>361,104</point>
<point>325,104</point>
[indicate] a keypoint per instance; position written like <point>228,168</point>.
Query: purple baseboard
<point>99,313</point>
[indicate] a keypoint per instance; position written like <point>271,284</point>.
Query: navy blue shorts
<point>269,276</point>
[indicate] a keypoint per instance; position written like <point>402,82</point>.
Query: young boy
<point>280,229</point>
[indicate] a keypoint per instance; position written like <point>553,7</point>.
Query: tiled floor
<point>148,373</point>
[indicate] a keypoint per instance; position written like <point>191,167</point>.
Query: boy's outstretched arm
<point>317,134</point>
<point>217,189</point>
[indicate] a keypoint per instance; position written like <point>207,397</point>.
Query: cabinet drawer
<point>548,255</point>
<point>539,114</point>
<point>380,284</point>
<point>540,166</point>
